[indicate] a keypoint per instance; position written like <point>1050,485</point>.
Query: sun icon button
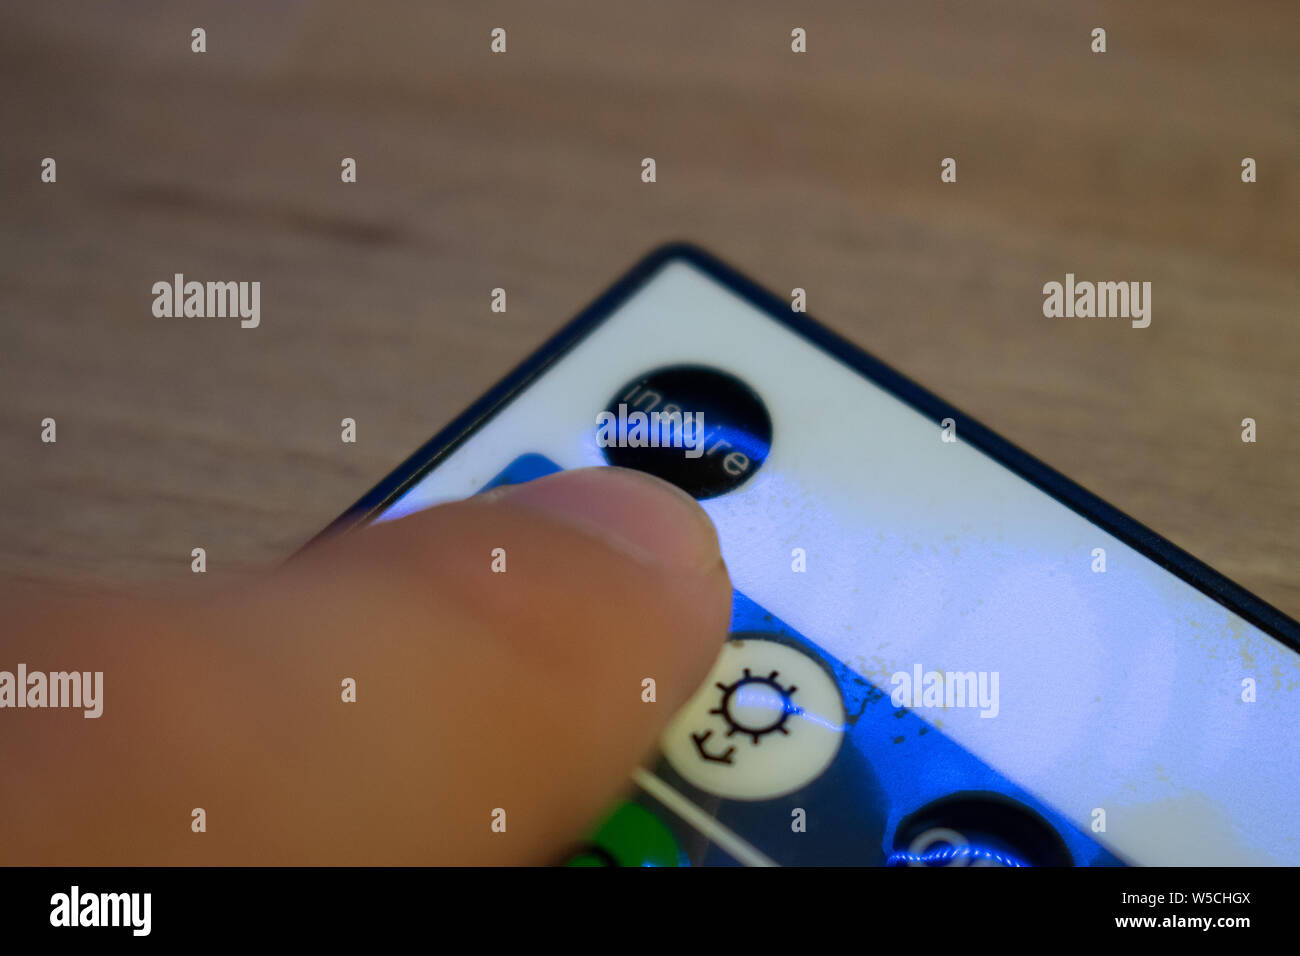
<point>755,705</point>
<point>768,721</point>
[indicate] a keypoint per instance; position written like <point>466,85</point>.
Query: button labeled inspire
<point>657,424</point>
<point>670,428</point>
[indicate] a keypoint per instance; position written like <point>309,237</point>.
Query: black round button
<point>977,828</point>
<point>698,427</point>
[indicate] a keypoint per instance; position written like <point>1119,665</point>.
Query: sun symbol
<point>755,694</point>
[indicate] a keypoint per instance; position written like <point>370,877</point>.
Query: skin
<point>475,690</point>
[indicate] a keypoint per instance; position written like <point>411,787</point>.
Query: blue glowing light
<point>761,699</point>
<point>945,854</point>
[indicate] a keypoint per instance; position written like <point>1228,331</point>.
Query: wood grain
<point>522,171</point>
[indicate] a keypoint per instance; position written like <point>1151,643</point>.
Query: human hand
<point>475,690</point>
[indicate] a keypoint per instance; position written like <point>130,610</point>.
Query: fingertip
<point>632,511</point>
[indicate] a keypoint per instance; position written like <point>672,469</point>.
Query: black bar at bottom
<point>378,905</point>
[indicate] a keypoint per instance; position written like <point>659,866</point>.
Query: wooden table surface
<point>522,171</point>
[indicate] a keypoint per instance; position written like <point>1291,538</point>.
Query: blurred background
<point>522,171</point>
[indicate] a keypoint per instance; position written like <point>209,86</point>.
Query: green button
<point>631,836</point>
